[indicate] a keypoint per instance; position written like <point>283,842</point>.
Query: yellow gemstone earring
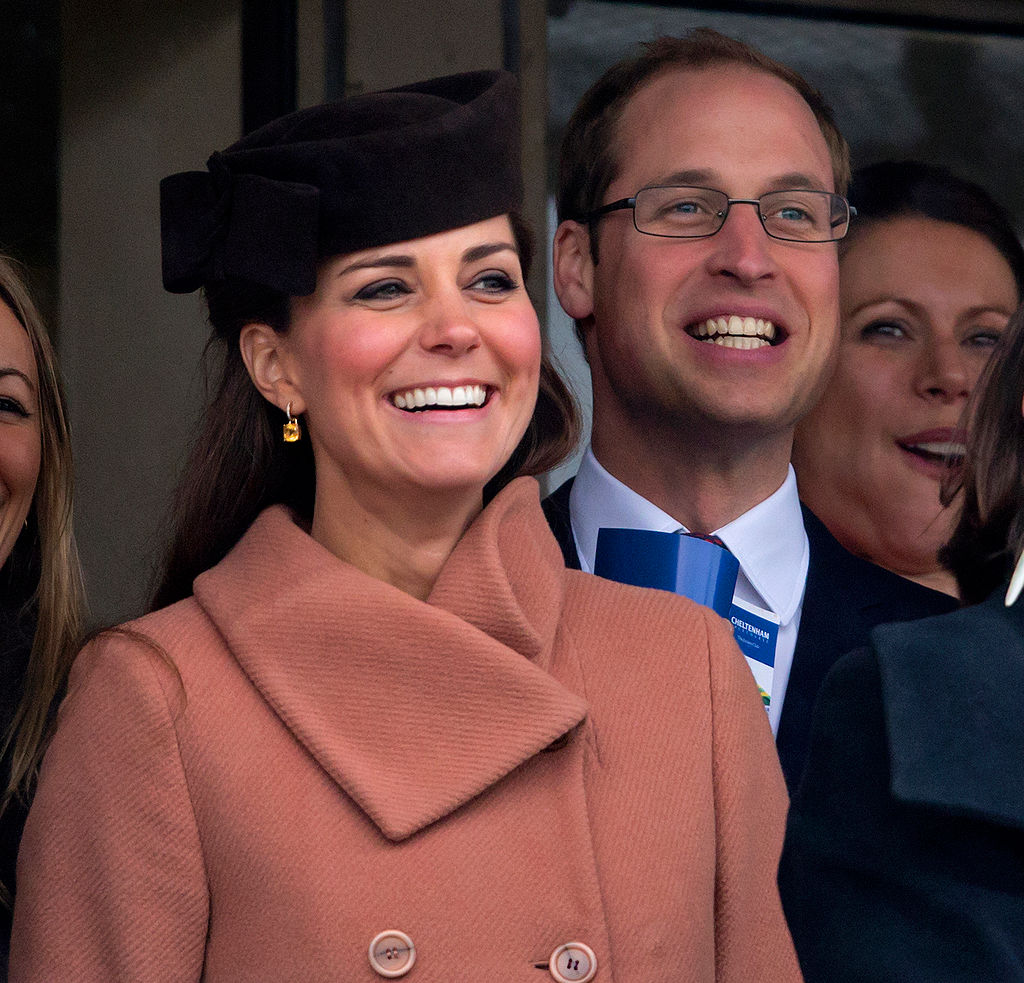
<point>292,431</point>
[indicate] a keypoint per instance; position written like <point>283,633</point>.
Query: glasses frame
<point>630,203</point>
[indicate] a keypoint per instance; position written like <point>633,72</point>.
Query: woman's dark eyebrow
<point>373,262</point>
<point>6,370</point>
<point>471,255</point>
<point>486,249</point>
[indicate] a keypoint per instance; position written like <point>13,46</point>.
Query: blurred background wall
<point>99,101</point>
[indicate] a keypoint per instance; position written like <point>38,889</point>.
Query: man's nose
<point>742,248</point>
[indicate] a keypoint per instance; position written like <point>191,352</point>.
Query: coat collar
<point>412,707</point>
<point>951,688</point>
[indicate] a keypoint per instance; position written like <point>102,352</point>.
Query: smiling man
<point>701,200</point>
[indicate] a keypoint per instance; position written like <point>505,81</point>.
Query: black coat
<point>904,856</point>
<point>845,598</point>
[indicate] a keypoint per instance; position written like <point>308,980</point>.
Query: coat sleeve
<point>111,883</point>
<point>752,941</point>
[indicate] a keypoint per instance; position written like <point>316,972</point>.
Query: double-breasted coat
<point>254,782</point>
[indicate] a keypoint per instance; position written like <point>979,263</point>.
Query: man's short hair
<point>588,163</point>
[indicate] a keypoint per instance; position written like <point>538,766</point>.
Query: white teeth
<point>941,448</point>
<point>739,341</point>
<point>734,327</point>
<point>440,396</point>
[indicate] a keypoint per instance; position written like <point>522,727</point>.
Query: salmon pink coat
<point>308,756</point>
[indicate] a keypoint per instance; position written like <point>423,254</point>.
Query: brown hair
<point>989,537</point>
<point>42,574</point>
<point>891,189</point>
<point>588,163</point>
<point>239,465</point>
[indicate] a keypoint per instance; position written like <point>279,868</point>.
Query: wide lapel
<point>413,708</point>
<point>951,690</point>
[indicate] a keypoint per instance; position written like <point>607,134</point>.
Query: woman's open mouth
<point>948,452</point>
<point>935,452</point>
<point>440,398</point>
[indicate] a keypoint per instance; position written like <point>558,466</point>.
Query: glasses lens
<point>805,216</point>
<point>680,212</point>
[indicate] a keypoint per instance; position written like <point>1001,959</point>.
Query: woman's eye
<point>984,338</point>
<point>8,404</point>
<point>383,290</point>
<point>883,329</point>
<point>494,283</point>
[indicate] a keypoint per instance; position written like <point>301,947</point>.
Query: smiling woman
<point>929,276</point>
<point>381,729</point>
<point>41,603</point>
<point>385,329</point>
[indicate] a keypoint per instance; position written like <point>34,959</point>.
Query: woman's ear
<point>265,353</point>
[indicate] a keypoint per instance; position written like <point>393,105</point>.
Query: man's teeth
<point>736,332</point>
<point>440,396</point>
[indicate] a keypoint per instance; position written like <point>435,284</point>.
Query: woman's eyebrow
<point>6,370</point>
<point>373,262</point>
<point>486,249</point>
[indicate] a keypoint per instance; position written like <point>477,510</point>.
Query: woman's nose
<point>449,327</point>
<point>944,373</point>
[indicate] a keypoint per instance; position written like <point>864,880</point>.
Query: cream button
<point>392,953</point>
<point>573,962</point>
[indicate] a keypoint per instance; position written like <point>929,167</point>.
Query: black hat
<point>363,172</point>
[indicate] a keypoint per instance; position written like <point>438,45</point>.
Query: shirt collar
<point>768,540</point>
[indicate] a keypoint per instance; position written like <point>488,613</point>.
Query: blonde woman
<point>41,599</point>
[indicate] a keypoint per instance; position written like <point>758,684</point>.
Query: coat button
<point>392,953</point>
<point>573,962</point>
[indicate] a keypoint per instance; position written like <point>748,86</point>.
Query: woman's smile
<point>415,367</point>
<point>439,396</point>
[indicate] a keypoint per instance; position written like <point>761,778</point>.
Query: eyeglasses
<point>693,213</point>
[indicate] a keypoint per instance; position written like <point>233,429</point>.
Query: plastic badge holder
<point>702,571</point>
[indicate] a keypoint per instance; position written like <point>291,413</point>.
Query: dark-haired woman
<point>929,275</point>
<point>904,856</point>
<point>381,730</point>
<point>40,582</point>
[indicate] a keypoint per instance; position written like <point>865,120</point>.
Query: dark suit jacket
<point>844,599</point>
<point>904,856</point>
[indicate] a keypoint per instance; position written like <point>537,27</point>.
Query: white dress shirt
<point>768,540</point>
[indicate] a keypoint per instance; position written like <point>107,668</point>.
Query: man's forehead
<point>691,125</point>
<point>709,177</point>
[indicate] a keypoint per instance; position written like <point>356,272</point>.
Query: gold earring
<point>292,430</point>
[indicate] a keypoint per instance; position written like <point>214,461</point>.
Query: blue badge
<point>756,631</point>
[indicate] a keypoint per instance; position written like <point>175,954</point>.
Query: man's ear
<point>573,269</point>
<point>265,353</point>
